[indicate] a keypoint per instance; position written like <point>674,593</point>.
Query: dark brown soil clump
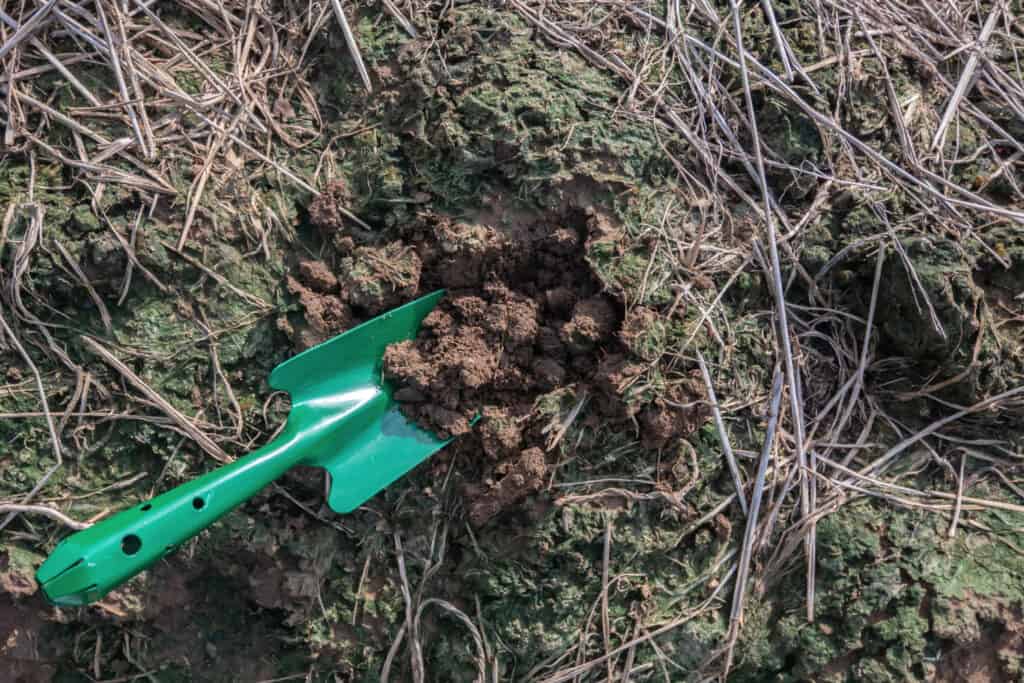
<point>520,476</point>
<point>318,276</point>
<point>473,352</point>
<point>325,314</point>
<point>325,211</point>
<point>524,315</point>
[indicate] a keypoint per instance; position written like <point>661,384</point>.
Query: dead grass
<point>704,95</point>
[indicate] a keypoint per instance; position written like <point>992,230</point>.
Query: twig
<point>15,509</point>
<point>31,25</point>
<point>133,258</point>
<point>723,435</point>
<point>400,18</point>
<point>199,184</point>
<point>795,400</point>
<point>575,671</point>
<point>966,77</point>
<point>415,650</point>
<point>353,47</point>
<point>389,659</point>
<point>51,428</point>
<point>605,621</point>
<point>959,495</point>
<point>126,283</point>
<point>148,143</point>
<point>222,376</point>
<point>102,307</point>
<point>780,41</point>
<point>743,568</point>
<point>935,426</point>
<point>865,350</point>
<point>481,658</point>
<point>115,64</point>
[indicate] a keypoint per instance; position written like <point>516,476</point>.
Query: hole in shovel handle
<point>198,503</point>
<point>131,544</point>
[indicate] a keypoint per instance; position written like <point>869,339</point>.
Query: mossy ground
<point>491,125</point>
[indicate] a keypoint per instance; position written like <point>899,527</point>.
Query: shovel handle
<point>87,565</point>
<point>341,419</point>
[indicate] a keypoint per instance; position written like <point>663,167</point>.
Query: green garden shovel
<point>342,418</point>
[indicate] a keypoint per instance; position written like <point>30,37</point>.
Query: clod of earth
<point>325,209</point>
<point>524,316</point>
<point>494,351</point>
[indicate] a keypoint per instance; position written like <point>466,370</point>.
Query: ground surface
<point>583,180</point>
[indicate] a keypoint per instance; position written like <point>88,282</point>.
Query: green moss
<point>891,594</point>
<point>537,603</point>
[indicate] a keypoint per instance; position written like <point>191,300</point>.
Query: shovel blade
<point>342,402</point>
<point>387,449</point>
<point>352,360</point>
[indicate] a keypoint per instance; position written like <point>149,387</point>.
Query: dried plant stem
<point>27,28</point>
<point>186,425</point>
<point>353,47</point>
<point>935,426</point>
<point>57,515</point>
<point>747,552</point>
<point>966,76</point>
<point>795,401</point>
<point>100,306</point>
<point>723,435</point>
<point>959,496</point>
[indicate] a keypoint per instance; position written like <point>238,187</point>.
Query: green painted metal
<point>342,419</point>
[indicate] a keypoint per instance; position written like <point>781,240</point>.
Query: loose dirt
<point>20,628</point>
<point>524,315</point>
<point>325,211</point>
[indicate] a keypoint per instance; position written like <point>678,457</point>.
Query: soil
<point>20,627</point>
<point>325,209</point>
<point>524,315</point>
<point>324,313</point>
<point>989,649</point>
<point>492,117</point>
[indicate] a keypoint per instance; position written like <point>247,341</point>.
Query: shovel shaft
<point>88,564</point>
